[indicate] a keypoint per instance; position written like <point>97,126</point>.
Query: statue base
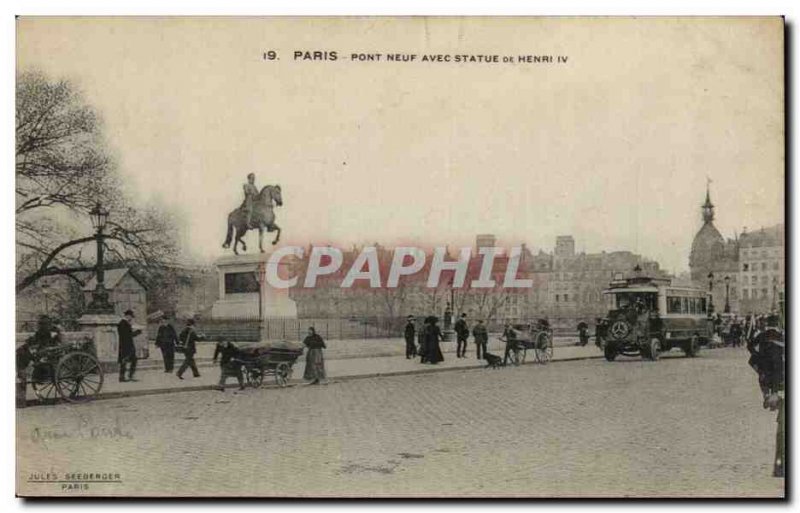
<point>103,328</point>
<point>244,292</point>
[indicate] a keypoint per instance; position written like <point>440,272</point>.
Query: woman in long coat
<point>315,365</point>
<point>432,337</point>
<point>422,336</point>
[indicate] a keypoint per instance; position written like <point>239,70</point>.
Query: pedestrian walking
<point>315,364</point>
<point>767,359</point>
<point>583,334</point>
<point>127,349</point>
<point>165,340</point>
<point>230,363</point>
<point>422,335</point>
<point>462,334</point>
<point>736,332</point>
<point>187,344</point>
<point>481,337</point>
<point>409,333</point>
<point>510,336</point>
<point>433,335</point>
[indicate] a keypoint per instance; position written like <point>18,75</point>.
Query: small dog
<point>493,361</point>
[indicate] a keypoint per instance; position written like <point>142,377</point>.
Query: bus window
<point>673,305</point>
<point>693,305</point>
<point>684,305</point>
<point>703,305</point>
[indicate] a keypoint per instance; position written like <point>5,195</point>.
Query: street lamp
<point>99,303</point>
<point>727,294</point>
<point>711,292</point>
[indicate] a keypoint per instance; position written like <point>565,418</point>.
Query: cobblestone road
<point>678,427</point>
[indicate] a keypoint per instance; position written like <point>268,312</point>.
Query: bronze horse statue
<point>263,218</point>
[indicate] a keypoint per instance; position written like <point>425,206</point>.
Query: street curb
<point>337,379</point>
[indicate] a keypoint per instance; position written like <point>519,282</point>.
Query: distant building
<point>571,285</point>
<point>485,241</point>
<point>762,274</point>
<point>565,285</point>
<point>712,254</point>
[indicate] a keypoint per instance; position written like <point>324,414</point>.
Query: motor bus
<point>649,316</point>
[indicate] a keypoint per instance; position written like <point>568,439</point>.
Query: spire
<point>708,207</point>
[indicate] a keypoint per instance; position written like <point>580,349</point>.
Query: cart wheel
<point>78,377</point>
<point>282,372</point>
<point>255,377</point>
<point>43,382</point>
<point>544,348</point>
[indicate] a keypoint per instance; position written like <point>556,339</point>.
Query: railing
<point>249,329</point>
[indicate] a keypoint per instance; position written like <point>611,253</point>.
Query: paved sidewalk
<point>354,348</point>
<point>155,381</point>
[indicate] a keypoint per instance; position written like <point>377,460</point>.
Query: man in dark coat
<point>481,338</point>
<point>409,333</point>
<point>187,340</point>
<point>510,337</point>
<point>230,363</point>
<point>462,334</point>
<point>127,349</point>
<point>767,359</point>
<point>165,340</point>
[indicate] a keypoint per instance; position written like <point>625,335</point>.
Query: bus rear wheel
<point>692,347</point>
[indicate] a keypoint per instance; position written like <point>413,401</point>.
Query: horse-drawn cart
<point>268,360</point>
<point>538,338</point>
<point>70,371</point>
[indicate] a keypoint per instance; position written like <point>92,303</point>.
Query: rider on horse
<point>250,195</point>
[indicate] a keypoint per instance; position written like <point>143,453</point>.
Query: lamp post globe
<point>100,303</point>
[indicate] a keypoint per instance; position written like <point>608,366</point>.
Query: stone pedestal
<point>103,328</point>
<point>244,292</point>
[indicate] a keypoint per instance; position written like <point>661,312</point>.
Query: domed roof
<point>708,245</point>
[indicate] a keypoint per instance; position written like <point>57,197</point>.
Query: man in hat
<point>510,337</point>
<point>409,333</point>
<point>767,359</point>
<point>462,334</point>
<point>481,338</point>
<point>250,195</point>
<point>230,363</point>
<point>187,341</point>
<point>165,340</point>
<point>127,349</point>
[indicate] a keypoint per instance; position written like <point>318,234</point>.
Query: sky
<point>615,146</point>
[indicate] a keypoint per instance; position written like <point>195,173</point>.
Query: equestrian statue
<point>254,213</point>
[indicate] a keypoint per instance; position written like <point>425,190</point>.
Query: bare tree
<point>487,302</point>
<point>62,171</point>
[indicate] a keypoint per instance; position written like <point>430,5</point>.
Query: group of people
<point>423,341</point>
<point>737,331</point>
<point>230,357</point>
<point>169,342</point>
